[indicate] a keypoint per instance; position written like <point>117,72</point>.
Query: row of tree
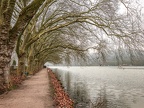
<point>64,30</point>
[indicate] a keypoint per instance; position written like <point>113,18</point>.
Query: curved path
<point>33,93</point>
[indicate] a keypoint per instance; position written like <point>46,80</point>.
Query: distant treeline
<point>113,58</point>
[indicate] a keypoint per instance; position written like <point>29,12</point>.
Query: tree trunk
<point>21,65</point>
<point>5,52</point>
<point>30,66</point>
<point>6,47</point>
<point>8,35</point>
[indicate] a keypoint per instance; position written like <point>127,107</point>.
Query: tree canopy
<point>66,30</point>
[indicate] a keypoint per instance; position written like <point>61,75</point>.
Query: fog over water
<point>122,87</point>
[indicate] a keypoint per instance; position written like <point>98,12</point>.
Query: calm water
<point>120,87</point>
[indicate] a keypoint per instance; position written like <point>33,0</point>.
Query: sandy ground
<point>33,93</point>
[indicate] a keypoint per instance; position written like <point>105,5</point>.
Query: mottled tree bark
<point>5,49</point>
<point>8,35</point>
<point>30,66</point>
<point>21,65</point>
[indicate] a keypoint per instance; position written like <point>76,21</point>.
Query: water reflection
<point>103,90</point>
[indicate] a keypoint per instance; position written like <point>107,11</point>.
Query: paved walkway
<point>33,93</point>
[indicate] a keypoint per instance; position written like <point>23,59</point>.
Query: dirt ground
<point>33,93</point>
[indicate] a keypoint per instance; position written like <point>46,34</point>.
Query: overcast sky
<point>135,3</point>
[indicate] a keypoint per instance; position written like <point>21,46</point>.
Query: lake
<point>114,87</point>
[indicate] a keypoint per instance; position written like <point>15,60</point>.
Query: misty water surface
<point>121,87</point>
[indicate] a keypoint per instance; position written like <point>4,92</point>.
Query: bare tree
<point>29,21</point>
<point>8,33</point>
